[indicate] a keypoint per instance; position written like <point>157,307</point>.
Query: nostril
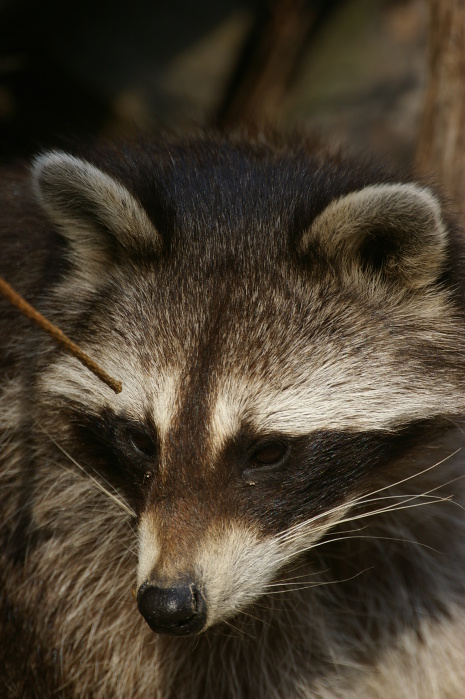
<point>179,609</point>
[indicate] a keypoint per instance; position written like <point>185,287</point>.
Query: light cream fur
<point>148,549</point>
<point>106,650</point>
<point>281,623</point>
<point>59,178</point>
<point>413,212</point>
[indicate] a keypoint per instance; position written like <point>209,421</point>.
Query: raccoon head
<point>269,370</point>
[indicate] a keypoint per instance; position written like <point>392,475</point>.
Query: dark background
<point>100,68</point>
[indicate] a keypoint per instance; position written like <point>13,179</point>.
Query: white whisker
<point>94,480</point>
<point>322,583</point>
<point>354,518</point>
<point>368,498</point>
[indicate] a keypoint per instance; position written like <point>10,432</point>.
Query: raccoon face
<point>267,374</point>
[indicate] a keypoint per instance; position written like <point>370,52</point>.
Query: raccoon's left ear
<point>395,230</point>
<point>95,212</point>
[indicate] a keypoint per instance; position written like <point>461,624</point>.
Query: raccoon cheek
<point>234,567</point>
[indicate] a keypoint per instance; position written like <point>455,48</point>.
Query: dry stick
<point>57,335</point>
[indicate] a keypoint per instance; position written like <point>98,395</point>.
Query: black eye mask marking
<point>122,451</point>
<point>294,478</point>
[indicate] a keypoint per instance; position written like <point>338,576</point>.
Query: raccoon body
<point>278,489</point>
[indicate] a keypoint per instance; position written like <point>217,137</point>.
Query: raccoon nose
<point>180,609</point>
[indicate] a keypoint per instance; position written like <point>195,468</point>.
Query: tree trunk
<point>441,146</point>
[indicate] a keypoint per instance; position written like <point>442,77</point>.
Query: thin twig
<point>57,335</point>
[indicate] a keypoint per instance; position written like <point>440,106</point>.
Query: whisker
<point>415,475</point>
<point>413,542</point>
<point>368,498</point>
<point>321,583</point>
<point>94,480</point>
<point>289,581</point>
<point>363,515</point>
<point>241,632</point>
<point>295,533</point>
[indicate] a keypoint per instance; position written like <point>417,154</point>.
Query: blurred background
<point>353,69</point>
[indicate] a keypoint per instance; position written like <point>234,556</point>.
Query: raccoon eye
<point>270,454</point>
<point>141,441</point>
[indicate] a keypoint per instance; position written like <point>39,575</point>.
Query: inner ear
<point>378,246</point>
<point>95,212</point>
<point>393,230</point>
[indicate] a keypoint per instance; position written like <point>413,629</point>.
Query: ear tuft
<point>392,230</point>
<point>94,212</point>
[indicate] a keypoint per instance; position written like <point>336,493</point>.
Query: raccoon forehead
<point>155,394</point>
<point>340,399</point>
<point>319,387</point>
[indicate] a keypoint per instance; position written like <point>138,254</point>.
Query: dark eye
<point>270,454</point>
<point>141,441</point>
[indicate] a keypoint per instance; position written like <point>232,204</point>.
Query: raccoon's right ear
<point>97,214</point>
<point>395,231</point>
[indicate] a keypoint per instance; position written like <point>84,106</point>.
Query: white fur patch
<point>337,395</point>
<point>165,400</point>
<point>226,417</point>
<point>156,393</point>
<point>234,566</point>
<point>148,548</point>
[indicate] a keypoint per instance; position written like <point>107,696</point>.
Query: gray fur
<point>240,291</point>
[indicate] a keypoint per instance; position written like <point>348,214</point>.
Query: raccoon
<point>273,506</point>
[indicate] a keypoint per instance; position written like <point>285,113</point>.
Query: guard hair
<point>273,506</point>
<point>395,230</point>
<point>96,213</point>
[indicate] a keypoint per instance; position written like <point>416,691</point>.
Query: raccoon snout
<point>180,609</point>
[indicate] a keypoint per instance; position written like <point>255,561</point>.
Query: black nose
<point>179,609</point>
